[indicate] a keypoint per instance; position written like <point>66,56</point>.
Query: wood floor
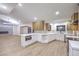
<point>10,46</point>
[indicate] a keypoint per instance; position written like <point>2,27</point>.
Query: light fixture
<point>10,20</point>
<point>35,18</point>
<point>51,24</point>
<point>20,4</point>
<point>3,6</point>
<point>57,12</point>
<point>13,21</point>
<point>6,23</point>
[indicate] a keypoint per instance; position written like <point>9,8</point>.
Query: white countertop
<point>40,33</point>
<point>72,36</point>
<point>27,34</point>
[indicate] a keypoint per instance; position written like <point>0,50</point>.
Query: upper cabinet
<point>75,18</point>
<point>47,26</point>
<point>41,26</point>
<point>38,25</point>
<point>74,22</point>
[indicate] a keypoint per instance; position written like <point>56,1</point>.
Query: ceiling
<point>42,11</point>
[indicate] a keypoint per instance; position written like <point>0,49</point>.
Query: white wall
<point>16,29</point>
<point>8,28</point>
<point>12,29</point>
<point>27,24</point>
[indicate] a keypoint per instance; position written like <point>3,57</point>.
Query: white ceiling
<point>43,11</point>
<point>7,7</point>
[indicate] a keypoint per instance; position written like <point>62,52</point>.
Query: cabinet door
<point>74,22</point>
<point>74,27</point>
<point>50,37</point>
<point>75,52</point>
<point>24,30</point>
<point>61,37</point>
<point>45,38</point>
<point>37,26</point>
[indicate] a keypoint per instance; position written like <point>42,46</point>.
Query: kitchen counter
<point>40,37</point>
<point>72,36</point>
<point>43,33</point>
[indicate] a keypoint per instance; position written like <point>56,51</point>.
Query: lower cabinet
<point>59,37</point>
<point>73,48</point>
<point>27,40</point>
<point>50,37</point>
<point>45,38</point>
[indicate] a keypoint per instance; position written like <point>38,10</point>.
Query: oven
<point>27,38</point>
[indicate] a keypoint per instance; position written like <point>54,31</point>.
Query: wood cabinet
<point>39,25</point>
<point>74,22</point>
<point>74,27</point>
<point>47,27</point>
<point>75,16</point>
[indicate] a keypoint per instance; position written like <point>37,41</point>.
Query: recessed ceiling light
<point>19,4</point>
<point>57,12</point>
<point>35,18</point>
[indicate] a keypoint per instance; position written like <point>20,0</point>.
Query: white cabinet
<point>58,36</point>
<point>16,29</point>
<point>45,38</point>
<point>55,36</point>
<point>24,29</point>
<point>73,48</point>
<point>41,37</point>
<point>61,37</point>
<point>51,37</point>
<point>25,42</point>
